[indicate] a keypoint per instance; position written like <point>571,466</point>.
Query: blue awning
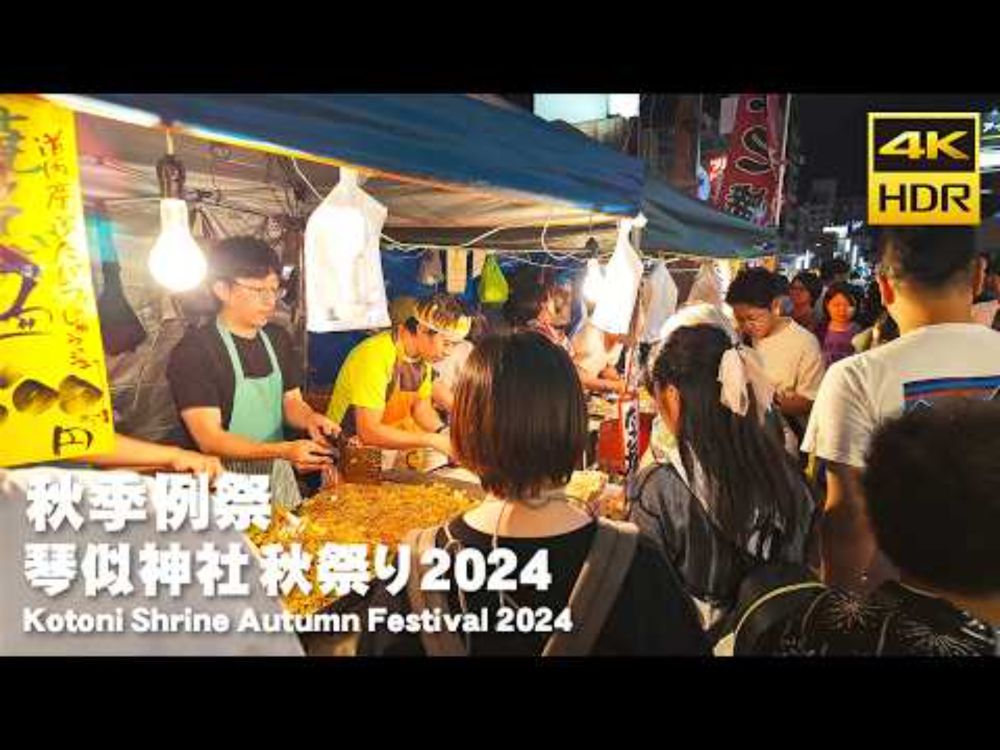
<point>680,224</point>
<point>448,138</point>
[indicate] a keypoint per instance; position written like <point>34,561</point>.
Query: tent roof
<point>446,139</point>
<point>684,225</point>
<point>419,212</point>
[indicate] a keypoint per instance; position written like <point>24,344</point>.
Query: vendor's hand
<point>190,462</point>
<point>441,443</point>
<point>610,373</point>
<point>621,388</point>
<point>320,427</point>
<point>791,403</point>
<point>307,455</point>
<point>616,386</point>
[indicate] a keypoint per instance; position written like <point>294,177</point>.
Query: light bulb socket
<point>170,174</point>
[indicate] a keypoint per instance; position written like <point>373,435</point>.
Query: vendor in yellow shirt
<point>383,391</point>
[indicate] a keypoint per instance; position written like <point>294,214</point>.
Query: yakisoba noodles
<point>358,514</point>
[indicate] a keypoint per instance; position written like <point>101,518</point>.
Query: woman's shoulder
<point>659,482</point>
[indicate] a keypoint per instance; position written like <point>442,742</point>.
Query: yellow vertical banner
<point>54,397</point>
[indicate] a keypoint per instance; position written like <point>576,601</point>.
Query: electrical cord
<point>295,163</point>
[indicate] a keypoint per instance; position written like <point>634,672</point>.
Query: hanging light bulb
<point>175,261</point>
<point>593,284</point>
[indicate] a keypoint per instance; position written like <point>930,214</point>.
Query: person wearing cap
<point>382,394</point>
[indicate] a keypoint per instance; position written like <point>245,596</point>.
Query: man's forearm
<point>228,445</point>
<point>297,413</point>
<point>391,438</point>
<point>131,452</point>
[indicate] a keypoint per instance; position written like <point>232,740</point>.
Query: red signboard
<point>750,180</point>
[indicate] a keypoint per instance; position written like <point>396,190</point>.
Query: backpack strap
<point>596,589</point>
<point>768,595</point>
<point>443,642</point>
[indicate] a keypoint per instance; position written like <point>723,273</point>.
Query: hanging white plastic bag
<point>662,302</point>
<point>620,289</point>
<point>344,286</point>
<point>706,287</point>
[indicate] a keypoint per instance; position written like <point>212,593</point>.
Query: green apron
<point>257,402</point>
<point>258,414</point>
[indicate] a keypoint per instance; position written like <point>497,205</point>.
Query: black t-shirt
<point>652,615</point>
<point>201,374</point>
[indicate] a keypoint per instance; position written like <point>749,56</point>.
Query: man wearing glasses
<point>236,380</point>
<point>383,392</point>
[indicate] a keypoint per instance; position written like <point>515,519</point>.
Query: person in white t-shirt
<point>927,277</point>
<point>792,356</point>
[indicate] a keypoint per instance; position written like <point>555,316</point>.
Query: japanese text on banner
<point>54,396</point>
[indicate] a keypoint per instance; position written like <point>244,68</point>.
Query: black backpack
<point>769,594</point>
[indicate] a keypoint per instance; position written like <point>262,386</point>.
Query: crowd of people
<point>825,479</point>
<point>742,547</point>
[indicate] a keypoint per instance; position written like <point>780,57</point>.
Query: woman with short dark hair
<point>726,496</point>
<point>520,424</point>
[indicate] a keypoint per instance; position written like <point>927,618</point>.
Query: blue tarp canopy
<point>444,138</point>
<point>683,225</point>
<point>508,166</point>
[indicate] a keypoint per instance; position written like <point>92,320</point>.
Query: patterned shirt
<point>894,621</point>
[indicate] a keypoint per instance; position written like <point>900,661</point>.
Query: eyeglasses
<point>264,294</point>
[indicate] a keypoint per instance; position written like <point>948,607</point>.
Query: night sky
<point>833,130</point>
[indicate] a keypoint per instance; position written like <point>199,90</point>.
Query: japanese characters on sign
<point>54,396</point>
<point>117,499</point>
<point>749,181</point>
